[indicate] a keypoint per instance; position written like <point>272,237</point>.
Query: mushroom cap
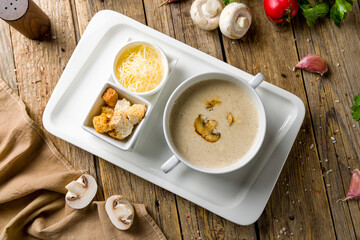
<point>235,20</point>
<point>206,13</point>
<point>81,192</point>
<point>120,211</point>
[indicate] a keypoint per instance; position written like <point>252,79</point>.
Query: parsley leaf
<point>226,2</point>
<point>339,10</point>
<point>356,115</point>
<point>356,108</point>
<point>357,99</point>
<point>311,14</point>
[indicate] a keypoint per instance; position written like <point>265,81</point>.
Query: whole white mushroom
<point>206,13</point>
<point>235,20</point>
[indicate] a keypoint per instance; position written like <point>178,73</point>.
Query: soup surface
<point>214,123</point>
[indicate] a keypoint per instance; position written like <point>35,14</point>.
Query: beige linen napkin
<point>33,175</point>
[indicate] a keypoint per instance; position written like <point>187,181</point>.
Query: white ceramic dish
<point>250,88</point>
<point>95,110</point>
<point>163,56</point>
<point>239,196</point>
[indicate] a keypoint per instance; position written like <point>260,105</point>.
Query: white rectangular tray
<point>239,196</point>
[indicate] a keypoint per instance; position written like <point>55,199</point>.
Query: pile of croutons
<point>119,117</point>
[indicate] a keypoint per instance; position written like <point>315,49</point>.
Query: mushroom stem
<point>120,212</point>
<point>243,22</point>
<point>123,213</point>
<point>71,196</point>
<point>210,9</point>
<point>76,188</point>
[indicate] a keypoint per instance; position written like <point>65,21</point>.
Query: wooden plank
<point>299,194</point>
<point>7,67</point>
<point>160,204</point>
<point>84,11</point>
<point>330,101</point>
<point>187,32</point>
<point>133,9</point>
<point>39,66</point>
<point>175,21</point>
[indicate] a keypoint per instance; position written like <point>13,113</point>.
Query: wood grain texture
<point>84,11</point>
<point>7,66</point>
<point>300,192</point>
<point>330,100</point>
<point>39,66</point>
<point>186,31</point>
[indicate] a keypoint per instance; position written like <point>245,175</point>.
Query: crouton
<point>115,134</point>
<point>121,125</point>
<point>101,123</point>
<point>135,113</point>
<point>108,111</point>
<point>110,96</point>
<point>121,106</point>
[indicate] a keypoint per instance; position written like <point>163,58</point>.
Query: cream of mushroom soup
<point>214,123</point>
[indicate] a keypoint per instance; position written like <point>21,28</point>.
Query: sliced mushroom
<point>206,13</point>
<point>120,212</point>
<point>205,129</point>
<point>210,104</point>
<point>81,192</point>
<point>230,118</point>
<point>235,20</point>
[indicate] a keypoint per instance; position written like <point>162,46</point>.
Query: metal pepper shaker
<point>26,17</point>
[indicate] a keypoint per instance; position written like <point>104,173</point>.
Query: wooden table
<point>303,204</point>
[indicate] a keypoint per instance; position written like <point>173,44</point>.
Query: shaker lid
<point>11,10</point>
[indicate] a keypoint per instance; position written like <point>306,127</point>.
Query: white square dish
<point>239,196</point>
<point>127,143</point>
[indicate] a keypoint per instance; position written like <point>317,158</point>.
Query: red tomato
<point>279,10</point>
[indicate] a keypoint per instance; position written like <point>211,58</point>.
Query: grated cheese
<point>140,69</point>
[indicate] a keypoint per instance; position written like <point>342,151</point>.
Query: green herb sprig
<point>226,2</point>
<point>311,14</point>
<point>338,10</point>
<point>356,108</point>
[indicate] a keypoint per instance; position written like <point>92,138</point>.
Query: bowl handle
<point>170,164</point>
<point>255,81</point>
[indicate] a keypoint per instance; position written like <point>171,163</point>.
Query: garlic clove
<point>313,63</point>
<point>354,189</point>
